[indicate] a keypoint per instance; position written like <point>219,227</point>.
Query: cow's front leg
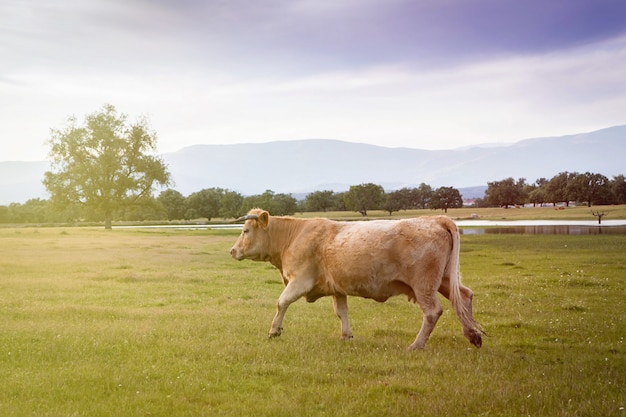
<point>340,304</point>
<point>292,292</point>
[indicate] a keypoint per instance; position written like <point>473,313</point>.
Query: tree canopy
<point>364,197</point>
<point>105,164</point>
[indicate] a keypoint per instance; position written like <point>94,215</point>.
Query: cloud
<point>431,73</point>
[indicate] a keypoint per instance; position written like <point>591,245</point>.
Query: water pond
<point>542,227</point>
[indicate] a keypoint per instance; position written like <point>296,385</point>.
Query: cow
<point>376,259</point>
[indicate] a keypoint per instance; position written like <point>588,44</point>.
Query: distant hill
<point>302,166</point>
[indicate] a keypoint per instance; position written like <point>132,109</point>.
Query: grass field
<point>164,323</point>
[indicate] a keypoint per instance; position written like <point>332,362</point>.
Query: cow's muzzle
<point>238,255</point>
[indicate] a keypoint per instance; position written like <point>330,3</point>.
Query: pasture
<point>165,323</point>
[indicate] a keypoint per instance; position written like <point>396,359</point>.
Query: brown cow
<point>374,259</point>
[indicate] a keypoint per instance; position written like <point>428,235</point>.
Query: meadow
<point>165,323</point>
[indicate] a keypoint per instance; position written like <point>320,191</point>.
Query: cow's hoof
<point>477,340</point>
<point>474,337</point>
<point>415,347</point>
<point>276,333</point>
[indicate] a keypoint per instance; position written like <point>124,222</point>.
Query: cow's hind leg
<point>340,304</point>
<point>292,292</point>
<point>432,310</point>
<point>471,329</point>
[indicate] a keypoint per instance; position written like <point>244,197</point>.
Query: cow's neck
<point>282,231</point>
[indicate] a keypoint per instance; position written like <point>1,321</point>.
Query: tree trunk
<point>107,221</point>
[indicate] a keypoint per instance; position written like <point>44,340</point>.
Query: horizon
<point>465,147</point>
<point>346,163</point>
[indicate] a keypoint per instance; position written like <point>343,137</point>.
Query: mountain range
<point>302,166</point>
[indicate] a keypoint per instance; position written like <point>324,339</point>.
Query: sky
<point>428,74</point>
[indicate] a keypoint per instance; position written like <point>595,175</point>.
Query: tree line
<point>219,203</point>
<point>582,188</point>
<point>105,169</point>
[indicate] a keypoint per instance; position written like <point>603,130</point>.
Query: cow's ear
<point>264,218</point>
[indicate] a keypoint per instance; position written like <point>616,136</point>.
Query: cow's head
<point>253,242</point>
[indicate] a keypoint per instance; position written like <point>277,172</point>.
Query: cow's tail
<point>461,296</point>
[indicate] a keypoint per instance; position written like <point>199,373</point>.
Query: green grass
<point>164,323</point>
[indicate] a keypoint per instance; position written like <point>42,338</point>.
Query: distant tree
<point>276,204</point>
<point>396,200</point>
<point>618,188</point>
<point>506,193</point>
<point>284,204</point>
<point>404,199</point>
<point>262,201</point>
<point>557,188</point>
<point>420,196</point>
<point>173,204</point>
<point>364,197</point>
<point>319,200</point>
<point>231,204</point>
<point>590,188</point>
<point>104,164</point>
<point>537,193</point>
<point>35,210</point>
<point>445,198</point>
<point>148,209</point>
<point>5,214</point>
<point>339,201</point>
<point>205,203</point>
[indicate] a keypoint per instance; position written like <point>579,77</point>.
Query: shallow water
<point>477,227</point>
<point>546,230</point>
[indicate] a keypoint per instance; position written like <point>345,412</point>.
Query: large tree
<point>364,197</point>
<point>590,187</point>
<point>445,198</point>
<point>205,203</point>
<point>506,193</point>
<point>319,200</point>
<point>104,164</point>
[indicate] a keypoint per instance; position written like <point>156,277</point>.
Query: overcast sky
<point>431,74</point>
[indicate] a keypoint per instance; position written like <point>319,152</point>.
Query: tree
<point>422,196</point>
<point>276,204</point>
<point>591,188</point>
<point>284,204</point>
<point>557,188</point>
<point>506,193</point>
<point>445,198</point>
<point>339,201</point>
<point>395,201</point>
<point>537,193</point>
<point>205,203</point>
<point>618,188</point>
<point>173,203</point>
<point>5,214</point>
<point>364,197</point>
<point>231,204</point>
<point>104,164</point>
<point>319,200</point>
